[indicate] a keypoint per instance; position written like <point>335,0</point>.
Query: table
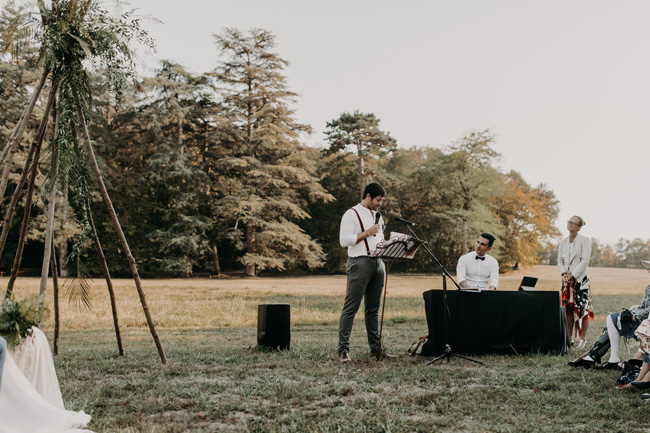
<point>496,322</point>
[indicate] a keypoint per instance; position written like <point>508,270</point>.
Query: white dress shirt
<point>477,272</point>
<point>350,228</point>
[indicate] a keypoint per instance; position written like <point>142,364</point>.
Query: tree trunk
<point>361,175</point>
<point>55,292</point>
<point>40,136</point>
<point>215,256</point>
<point>250,247</point>
<point>51,206</point>
<point>17,135</point>
<point>180,133</point>
<point>109,282</point>
<point>63,255</point>
<point>120,233</point>
<point>465,247</point>
<point>63,240</point>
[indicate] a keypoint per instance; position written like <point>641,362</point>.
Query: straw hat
<point>646,264</point>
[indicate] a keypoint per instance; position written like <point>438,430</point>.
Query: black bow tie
<point>479,258</point>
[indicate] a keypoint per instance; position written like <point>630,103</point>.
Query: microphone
<point>405,222</point>
<point>377,216</point>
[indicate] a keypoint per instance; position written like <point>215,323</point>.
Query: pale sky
<point>564,84</point>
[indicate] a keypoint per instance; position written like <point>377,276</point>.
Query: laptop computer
<point>528,283</point>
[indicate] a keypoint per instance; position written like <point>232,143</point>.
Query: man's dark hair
<point>490,237</point>
<point>374,189</point>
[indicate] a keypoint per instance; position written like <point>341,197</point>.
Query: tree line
<point>624,253</point>
<point>209,172</point>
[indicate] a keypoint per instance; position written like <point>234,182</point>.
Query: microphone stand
<point>448,353</point>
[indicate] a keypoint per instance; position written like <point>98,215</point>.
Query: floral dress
<point>576,297</point>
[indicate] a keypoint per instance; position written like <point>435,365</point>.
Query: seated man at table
<point>478,270</point>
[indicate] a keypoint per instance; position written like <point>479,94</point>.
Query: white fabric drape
<point>35,407</point>
<point>34,358</point>
<point>23,410</point>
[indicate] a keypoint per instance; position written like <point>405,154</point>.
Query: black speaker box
<point>274,326</point>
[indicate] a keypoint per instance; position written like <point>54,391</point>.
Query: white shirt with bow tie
<point>478,272</point>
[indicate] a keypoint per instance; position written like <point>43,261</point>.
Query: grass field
<point>218,380</point>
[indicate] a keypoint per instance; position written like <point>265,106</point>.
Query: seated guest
<point>618,324</point>
<point>643,378</point>
<point>478,270</point>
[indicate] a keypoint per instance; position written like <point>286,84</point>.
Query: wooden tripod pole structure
<point>40,136</point>
<point>109,281</point>
<point>120,233</point>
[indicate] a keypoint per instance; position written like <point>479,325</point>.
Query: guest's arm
<point>494,276</point>
<point>461,273</point>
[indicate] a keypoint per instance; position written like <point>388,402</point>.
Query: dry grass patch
<point>217,303</point>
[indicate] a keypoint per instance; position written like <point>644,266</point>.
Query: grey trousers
<point>3,356</point>
<point>366,277</point>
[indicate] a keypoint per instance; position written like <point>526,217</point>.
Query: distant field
<point>232,302</point>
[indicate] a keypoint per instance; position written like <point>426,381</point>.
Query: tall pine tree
<point>270,180</point>
<point>176,176</point>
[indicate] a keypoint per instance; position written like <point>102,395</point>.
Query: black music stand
<point>448,353</point>
<point>397,247</point>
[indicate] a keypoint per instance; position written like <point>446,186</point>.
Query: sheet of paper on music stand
<point>399,245</point>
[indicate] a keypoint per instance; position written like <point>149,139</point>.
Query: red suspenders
<point>362,229</point>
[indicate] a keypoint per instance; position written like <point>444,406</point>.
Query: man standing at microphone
<point>361,231</point>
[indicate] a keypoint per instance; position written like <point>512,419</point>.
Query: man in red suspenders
<point>361,231</point>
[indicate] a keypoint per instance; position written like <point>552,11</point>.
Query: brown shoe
<point>344,357</point>
<point>382,354</point>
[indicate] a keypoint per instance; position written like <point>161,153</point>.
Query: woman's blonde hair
<point>582,221</point>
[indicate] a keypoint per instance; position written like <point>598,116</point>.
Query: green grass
<point>217,380</point>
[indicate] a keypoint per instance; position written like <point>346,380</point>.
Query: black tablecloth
<point>496,322</point>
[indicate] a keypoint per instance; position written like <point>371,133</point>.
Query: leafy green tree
<point>270,178</point>
<point>631,252</point>
<point>527,215</point>
<point>596,253</point>
<point>608,258</point>
<point>468,177</point>
<point>360,131</point>
<point>450,193</point>
<point>174,171</point>
<point>548,253</point>
<point>338,174</point>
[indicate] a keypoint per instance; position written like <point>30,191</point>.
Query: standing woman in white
<point>573,261</point>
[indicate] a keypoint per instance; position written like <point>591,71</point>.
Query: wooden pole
<point>109,281</point>
<point>120,233</point>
